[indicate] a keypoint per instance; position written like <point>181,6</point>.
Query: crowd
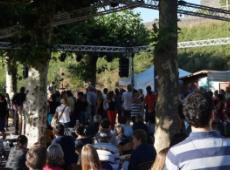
<point>103,130</point>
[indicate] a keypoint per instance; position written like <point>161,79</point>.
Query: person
<point>81,107</point>
<point>17,155</point>
<point>68,146</point>
<point>55,158</point>
<point>105,127</point>
<point>82,138</point>
<point>91,98</point>
<point>139,124</point>
<point>203,148</point>
<point>3,112</point>
<point>36,157</point>
<point>63,112</point>
<point>137,108</point>
<point>107,152</point>
<point>109,105</point>
<point>150,102</point>
<point>127,102</point>
<point>71,103</point>
<point>89,158</point>
<point>53,103</point>
<point>143,153</point>
<point>18,101</point>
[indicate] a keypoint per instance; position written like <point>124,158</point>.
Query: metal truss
<point>97,9</point>
<point>204,43</point>
<point>90,48</point>
<point>203,11</point>
<point>103,7</point>
<point>136,49</point>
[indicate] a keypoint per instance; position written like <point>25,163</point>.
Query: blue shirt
<point>201,150</point>
<point>142,154</point>
<point>68,146</point>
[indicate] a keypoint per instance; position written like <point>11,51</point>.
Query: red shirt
<point>150,102</point>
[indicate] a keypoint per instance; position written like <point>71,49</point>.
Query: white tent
<point>146,78</point>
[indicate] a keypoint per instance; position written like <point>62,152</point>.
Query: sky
<point>148,15</point>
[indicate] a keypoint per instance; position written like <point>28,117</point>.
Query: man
<point>203,148</point>
<point>143,154</point>
<point>18,101</point>
<point>107,152</point>
<point>68,146</point>
<point>127,102</point>
<point>17,156</point>
<point>91,98</point>
<point>150,102</point>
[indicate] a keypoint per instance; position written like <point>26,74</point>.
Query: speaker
<point>124,67</point>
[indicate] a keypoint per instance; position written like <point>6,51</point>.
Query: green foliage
<point>213,57</point>
<point>205,31</point>
<point>142,61</point>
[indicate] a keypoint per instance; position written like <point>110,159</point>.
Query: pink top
<point>48,167</point>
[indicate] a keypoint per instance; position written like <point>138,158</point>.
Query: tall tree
<point>167,69</point>
<point>33,39</point>
<point>11,75</point>
<point>116,29</point>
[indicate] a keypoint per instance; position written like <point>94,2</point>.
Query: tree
<point>116,29</point>
<point>11,76</point>
<point>167,70</point>
<point>33,39</point>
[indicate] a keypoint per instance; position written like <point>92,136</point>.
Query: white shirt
<point>127,100</point>
<point>109,153</point>
<point>65,118</point>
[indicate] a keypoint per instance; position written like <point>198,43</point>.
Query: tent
<point>146,78</point>
<point>209,79</point>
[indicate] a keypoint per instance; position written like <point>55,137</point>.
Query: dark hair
<point>141,135</point>
<point>148,89</point>
<point>22,140</point>
<point>55,155</point>
<point>36,157</point>
<point>197,109</point>
<point>59,129</point>
<point>81,130</point>
<point>105,124</point>
<point>105,90</point>
<point>129,87</point>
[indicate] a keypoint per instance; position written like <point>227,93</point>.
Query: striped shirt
<point>201,150</point>
<point>136,109</point>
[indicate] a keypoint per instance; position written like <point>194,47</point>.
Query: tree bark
<point>11,76</point>
<point>167,68</point>
<point>91,69</point>
<point>37,102</point>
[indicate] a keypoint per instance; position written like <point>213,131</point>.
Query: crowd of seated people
<point>103,130</point>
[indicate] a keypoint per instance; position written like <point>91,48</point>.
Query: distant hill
<point>212,3</point>
<point>190,21</point>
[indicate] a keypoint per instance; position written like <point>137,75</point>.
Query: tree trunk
<point>11,77</point>
<point>91,69</point>
<point>37,102</point>
<point>167,69</point>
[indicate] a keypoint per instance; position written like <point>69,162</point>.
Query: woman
<point>82,139</point>
<point>55,158</point>
<point>89,158</point>
<point>63,112</point>
<point>36,157</point>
